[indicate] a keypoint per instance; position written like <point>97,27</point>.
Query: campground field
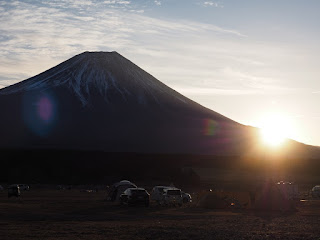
<point>74,214</point>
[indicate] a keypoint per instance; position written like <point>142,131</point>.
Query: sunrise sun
<point>275,129</point>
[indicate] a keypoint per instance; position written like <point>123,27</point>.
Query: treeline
<point>82,167</point>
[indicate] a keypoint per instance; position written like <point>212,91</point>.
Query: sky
<point>248,60</point>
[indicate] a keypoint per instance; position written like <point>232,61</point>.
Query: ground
<point>74,214</point>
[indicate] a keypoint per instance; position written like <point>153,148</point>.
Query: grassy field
<point>71,214</point>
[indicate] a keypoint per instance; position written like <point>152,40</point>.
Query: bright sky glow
<point>275,129</point>
<point>239,58</point>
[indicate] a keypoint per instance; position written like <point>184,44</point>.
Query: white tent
<point>118,188</point>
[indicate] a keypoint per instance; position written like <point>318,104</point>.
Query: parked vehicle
<point>1,188</point>
<point>157,193</point>
<point>24,187</point>
<point>186,197</point>
<point>14,191</point>
<point>135,196</point>
<point>117,189</point>
<point>172,196</point>
<point>315,191</point>
<point>161,196</point>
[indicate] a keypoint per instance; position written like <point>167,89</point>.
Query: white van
<point>157,193</point>
<point>172,196</point>
<point>166,195</point>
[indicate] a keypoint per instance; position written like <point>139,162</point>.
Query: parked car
<point>117,189</point>
<point>315,191</point>
<point>172,196</point>
<point>14,191</point>
<point>1,188</point>
<point>24,187</point>
<point>186,197</point>
<point>157,193</point>
<point>135,196</point>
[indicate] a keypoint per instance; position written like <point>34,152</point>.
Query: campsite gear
<point>118,188</point>
<point>212,200</point>
<point>289,189</point>
<point>224,199</point>
<point>271,198</point>
<point>315,191</point>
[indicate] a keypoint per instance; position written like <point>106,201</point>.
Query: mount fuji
<point>102,101</point>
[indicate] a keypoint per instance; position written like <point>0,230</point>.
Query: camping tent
<point>212,200</point>
<point>118,188</point>
<point>222,199</point>
<point>290,189</point>
<point>271,198</point>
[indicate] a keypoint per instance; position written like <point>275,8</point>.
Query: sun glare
<point>275,129</point>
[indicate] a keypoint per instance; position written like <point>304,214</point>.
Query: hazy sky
<point>244,59</point>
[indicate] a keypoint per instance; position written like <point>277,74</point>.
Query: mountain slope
<point>102,101</point>
<point>108,74</point>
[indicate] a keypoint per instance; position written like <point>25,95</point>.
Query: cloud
<point>157,2</point>
<point>212,4</point>
<point>109,2</point>
<point>123,2</point>
<point>35,37</point>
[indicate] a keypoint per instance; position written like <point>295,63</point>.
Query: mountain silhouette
<point>103,101</point>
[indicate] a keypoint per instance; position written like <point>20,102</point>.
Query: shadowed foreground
<point>71,214</point>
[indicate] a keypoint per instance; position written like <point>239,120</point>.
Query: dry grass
<point>71,214</point>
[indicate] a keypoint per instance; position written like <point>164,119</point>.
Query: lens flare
<point>45,109</point>
<point>39,112</point>
<point>210,127</point>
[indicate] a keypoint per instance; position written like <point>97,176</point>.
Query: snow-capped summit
<point>108,74</point>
